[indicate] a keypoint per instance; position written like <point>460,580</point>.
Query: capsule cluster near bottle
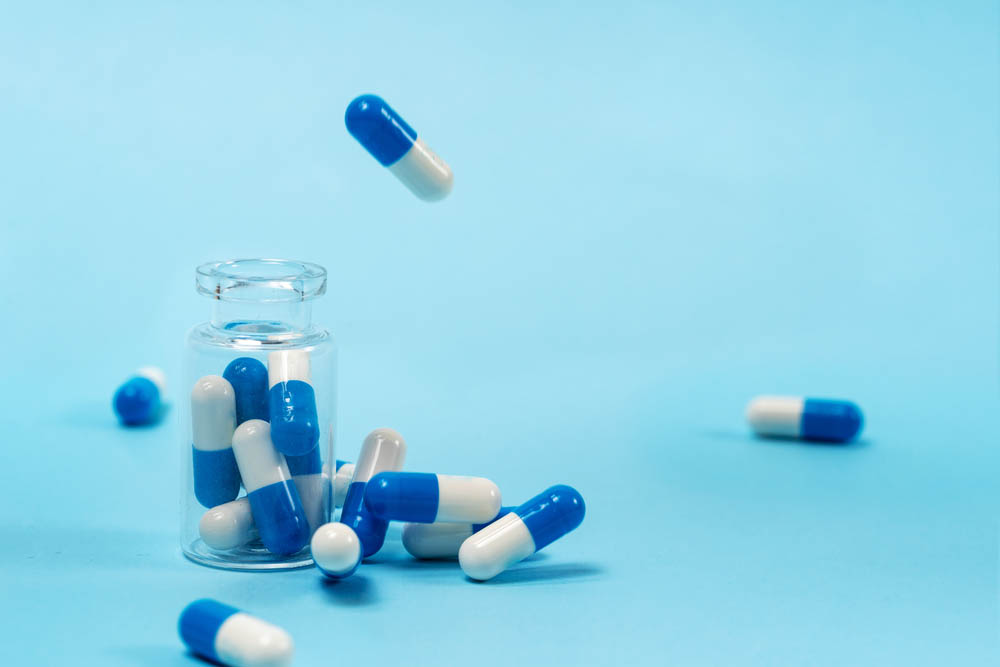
<point>256,428</point>
<point>443,516</point>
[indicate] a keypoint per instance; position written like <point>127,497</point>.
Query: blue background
<point>659,212</point>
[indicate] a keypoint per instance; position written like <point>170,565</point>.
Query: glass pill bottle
<point>258,417</point>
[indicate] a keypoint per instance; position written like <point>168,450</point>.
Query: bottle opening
<point>261,280</point>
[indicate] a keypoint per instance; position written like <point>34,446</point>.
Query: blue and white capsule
<point>392,142</point>
<point>225,634</point>
<point>292,403</point>
<point>383,450</point>
<point>307,473</point>
<point>228,526</point>
<point>213,421</point>
<point>336,550</point>
<point>441,540</point>
<point>139,398</point>
<point>423,497</point>
<point>529,528</point>
<point>249,379</point>
<point>274,500</point>
<point>805,418</point>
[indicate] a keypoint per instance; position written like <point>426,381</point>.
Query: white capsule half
<point>496,547</point>
<point>288,365</point>
<point>213,413</point>
<point>340,481</point>
<point>383,449</point>
<point>777,416</point>
<point>310,489</point>
<point>156,376</point>
<point>424,173</point>
<point>435,540</point>
<point>259,462</point>
<point>228,526</point>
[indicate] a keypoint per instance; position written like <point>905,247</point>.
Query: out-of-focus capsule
<point>249,379</point>
<point>228,526</point>
<point>805,418</point>
<point>441,540</point>
<point>422,497</point>
<point>528,528</point>
<point>139,398</point>
<point>339,481</point>
<point>383,450</point>
<point>229,636</point>
<point>336,550</point>
<point>307,473</point>
<point>392,142</point>
<point>213,420</point>
<point>292,403</point>
<point>274,499</point>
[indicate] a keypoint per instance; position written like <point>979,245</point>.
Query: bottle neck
<point>256,319</point>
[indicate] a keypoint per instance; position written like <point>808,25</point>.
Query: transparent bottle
<point>255,483</point>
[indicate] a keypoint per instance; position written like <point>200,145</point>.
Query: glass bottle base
<point>252,557</point>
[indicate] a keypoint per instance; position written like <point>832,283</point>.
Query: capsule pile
<point>256,427</point>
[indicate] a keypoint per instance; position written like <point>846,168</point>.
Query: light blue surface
<point>658,213</point>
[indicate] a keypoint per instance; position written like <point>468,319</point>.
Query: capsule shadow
<point>544,574</point>
<point>860,443</point>
<point>355,591</point>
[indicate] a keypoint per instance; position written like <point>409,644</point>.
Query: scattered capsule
<point>228,526</point>
<point>249,379</point>
<point>213,420</point>
<point>392,142</point>
<point>422,497</point>
<point>229,636</point>
<point>274,500</point>
<point>805,418</point>
<point>292,402</point>
<point>382,450</point>
<point>528,528</point>
<point>138,400</point>
<point>336,550</point>
<point>441,540</point>
<point>307,473</point>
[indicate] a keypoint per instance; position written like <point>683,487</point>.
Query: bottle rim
<point>261,280</point>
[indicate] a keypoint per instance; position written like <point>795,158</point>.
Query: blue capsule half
<point>249,379</point>
<point>378,128</point>
<point>551,514</point>
<point>369,528</point>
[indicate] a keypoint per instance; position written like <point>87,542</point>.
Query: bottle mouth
<point>261,280</point>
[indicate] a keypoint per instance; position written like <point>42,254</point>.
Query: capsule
<point>277,508</point>
<point>805,418</point>
<point>228,526</point>
<point>341,479</point>
<point>229,636</point>
<point>292,403</point>
<point>139,398</point>
<point>441,540</point>
<point>422,497</point>
<point>382,450</point>
<point>336,550</point>
<point>307,473</point>
<point>528,528</point>
<point>392,142</point>
<point>213,420</point>
<point>249,379</point>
